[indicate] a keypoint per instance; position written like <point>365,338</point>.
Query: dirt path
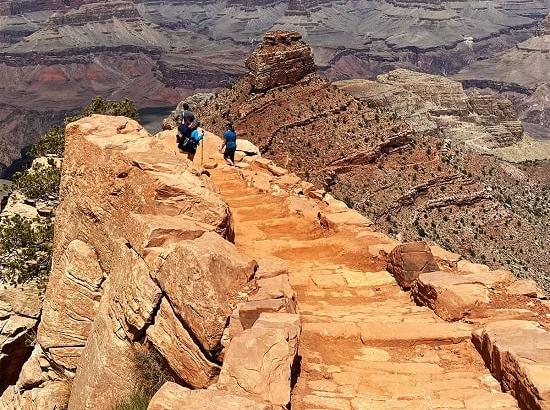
<point>365,344</point>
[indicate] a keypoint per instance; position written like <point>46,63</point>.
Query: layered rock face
<point>281,59</point>
<point>520,72</point>
<point>409,151</point>
<point>142,255</point>
<point>19,314</point>
<point>157,52</point>
<point>432,103</point>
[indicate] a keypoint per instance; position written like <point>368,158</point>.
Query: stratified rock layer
<point>281,59</point>
<point>517,353</point>
<point>19,315</point>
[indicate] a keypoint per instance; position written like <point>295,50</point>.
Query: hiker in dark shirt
<point>230,144</point>
<point>187,117</point>
<point>187,124</point>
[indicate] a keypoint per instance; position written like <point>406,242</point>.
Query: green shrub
<point>52,142</point>
<point>124,108</point>
<point>39,183</point>
<point>138,400</point>
<point>25,250</point>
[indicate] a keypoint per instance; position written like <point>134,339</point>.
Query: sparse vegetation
<point>38,183</point>
<point>25,244</point>
<point>348,201</point>
<point>25,250</point>
<point>138,400</point>
<point>151,371</point>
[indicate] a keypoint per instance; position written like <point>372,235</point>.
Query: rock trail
<point>365,344</point>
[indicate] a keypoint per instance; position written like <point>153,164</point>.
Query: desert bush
<point>51,142</point>
<point>151,370</point>
<point>38,183</point>
<point>349,202</point>
<point>138,400</point>
<point>25,250</point>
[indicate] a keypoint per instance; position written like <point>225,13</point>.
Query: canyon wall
<point>158,52</point>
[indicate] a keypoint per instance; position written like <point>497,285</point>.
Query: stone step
<point>365,344</point>
<point>411,334</point>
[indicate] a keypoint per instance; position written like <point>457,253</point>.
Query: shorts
<point>230,154</point>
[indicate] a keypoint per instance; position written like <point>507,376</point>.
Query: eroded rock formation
<point>19,314</point>
<point>281,59</point>
<point>142,255</point>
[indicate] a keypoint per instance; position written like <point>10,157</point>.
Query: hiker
<point>230,144</point>
<point>189,141</point>
<point>187,125</point>
<point>187,117</point>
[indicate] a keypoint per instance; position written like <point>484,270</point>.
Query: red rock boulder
<point>406,262</point>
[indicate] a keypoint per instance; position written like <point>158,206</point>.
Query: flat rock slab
<point>333,329</point>
<point>175,397</point>
<point>525,287</point>
<point>411,334</point>
<point>451,296</point>
<point>259,362</point>
<point>522,368</point>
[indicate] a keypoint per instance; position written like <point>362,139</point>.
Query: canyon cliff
<point>56,55</point>
<point>137,240</point>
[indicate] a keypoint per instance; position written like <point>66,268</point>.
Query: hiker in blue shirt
<point>230,144</point>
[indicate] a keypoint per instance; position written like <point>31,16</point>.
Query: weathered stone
<point>247,147</point>
<point>107,369</point>
<point>174,397</point>
<point>275,288</point>
<point>210,273</point>
<point>411,334</point>
<point>525,287</point>
<point>276,170</point>
<point>19,314</point>
<point>259,363</point>
<point>287,321</point>
<point>409,260</point>
<point>136,227</point>
<point>281,59</point>
<point>74,306</point>
<point>44,397</point>
<point>450,295</point>
<point>269,268</point>
<point>517,354</point>
<point>346,218</point>
<point>174,343</point>
<point>250,311</point>
<point>443,256</point>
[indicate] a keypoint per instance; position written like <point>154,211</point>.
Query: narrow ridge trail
<point>365,344</point>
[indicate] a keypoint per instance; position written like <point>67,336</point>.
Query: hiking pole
<point>202,149</point>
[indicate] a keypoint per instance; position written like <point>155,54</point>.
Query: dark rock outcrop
<point>282,59</point>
